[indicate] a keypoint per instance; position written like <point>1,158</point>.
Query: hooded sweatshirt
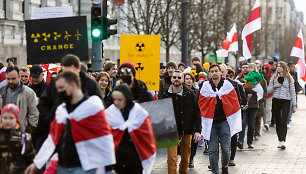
<point>268,77</point>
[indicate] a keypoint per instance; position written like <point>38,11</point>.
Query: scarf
<point>231,106</point>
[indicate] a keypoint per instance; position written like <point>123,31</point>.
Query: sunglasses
<point>162,67</point>
<point>264,68</point>
<point>128,70</point>
<point>178,77</point>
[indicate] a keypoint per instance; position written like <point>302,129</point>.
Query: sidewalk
<point>265,158</point>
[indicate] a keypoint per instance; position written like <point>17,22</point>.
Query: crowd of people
<point>93,121</point>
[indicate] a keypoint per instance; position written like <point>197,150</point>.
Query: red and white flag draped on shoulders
<point>140,128</point>
<point>91,133</point>
<point>231,106</point>
<point>298,51</point>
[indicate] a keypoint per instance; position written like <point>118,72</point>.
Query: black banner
<point>48,40</point>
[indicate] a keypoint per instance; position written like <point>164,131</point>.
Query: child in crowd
<point>252,79</point>
<point>16,150</point>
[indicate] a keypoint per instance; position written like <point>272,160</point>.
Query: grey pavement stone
<point>265,158</point>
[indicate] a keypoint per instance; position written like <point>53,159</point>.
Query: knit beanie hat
<point>12,108</point>
<point>171,64</point>
<point>182,64</point>
<point>202,75</point>
<point>128,65</point>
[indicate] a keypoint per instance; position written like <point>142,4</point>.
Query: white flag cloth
<point>298,51</point>
<point>230,43</point>
<point>253,24</point>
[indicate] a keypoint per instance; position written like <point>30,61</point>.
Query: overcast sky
<point>300,5</point>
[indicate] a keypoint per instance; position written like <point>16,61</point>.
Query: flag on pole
<point>253,24</point>
<point>298,51</point>
<point>230,43</point>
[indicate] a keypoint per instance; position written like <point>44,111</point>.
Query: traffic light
<point>106,24</point>
<point>96,22</point>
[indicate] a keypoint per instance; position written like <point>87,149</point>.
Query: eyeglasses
<point>264,68</point>
<point>128,70</point>
<point>178,77</point>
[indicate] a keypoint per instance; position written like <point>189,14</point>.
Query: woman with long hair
<point>104,82</point>
<point>282,87</point>
<point>197,68</point>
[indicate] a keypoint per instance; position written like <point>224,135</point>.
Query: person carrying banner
<point>221,117</point>
<point>188,122</point>
<point>80,133</point>
<point>132,132</point>
<point>16,150</point>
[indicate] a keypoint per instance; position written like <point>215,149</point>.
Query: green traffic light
<point>96,32</point>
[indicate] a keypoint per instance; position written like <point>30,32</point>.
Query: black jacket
<point>140,92</point>
<point>186,110</point>
<point>253,104</point>
<point>39,88</point>
<point>239,91</point>
<point>49,101</point>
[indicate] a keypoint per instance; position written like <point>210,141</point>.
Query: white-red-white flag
<point>298,51</point>
<point>253,24</point>
<point>230,43</point>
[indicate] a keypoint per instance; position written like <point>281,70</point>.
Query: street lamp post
<point>184,21</point>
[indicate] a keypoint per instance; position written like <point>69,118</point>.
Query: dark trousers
<point>257,126</point>
<point>233,146</point>
<point>281,108</point>
<point>248,119</point>
<point>194,147</point>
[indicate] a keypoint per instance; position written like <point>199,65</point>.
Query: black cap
<point>35,71</point>
<point>162,65</point>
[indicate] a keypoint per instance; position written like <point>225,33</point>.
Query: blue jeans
<point>248,118</point>
<point>222,131</point>
<point>74,170</point>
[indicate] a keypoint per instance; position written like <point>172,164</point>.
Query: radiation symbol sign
<point>140,47</point>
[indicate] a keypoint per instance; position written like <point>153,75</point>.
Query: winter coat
<point>27,103</point>
<point>286,91</point>
<point>164,85</point>
<point>39,88</point>
<point>268,77</point>
<point>261,112</point>
<point>12,159</point>
<point>186,110</point>
<point>49,101</point>
<point>253,77</point>
<point>253,104</point>
<point>239,91</point>
<point>140,92</point>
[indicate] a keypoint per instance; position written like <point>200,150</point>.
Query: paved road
<point>265,158</point>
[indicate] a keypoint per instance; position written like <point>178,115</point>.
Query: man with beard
<point>127,73</point>
<point>22,96</point>
<point>165,82</point>
<point>248,117</point>
<point>188,122</point>
<point>50,100</point>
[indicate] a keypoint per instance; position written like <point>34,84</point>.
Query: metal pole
<point>184,21</point>
<point>277,30</point>
<point>228,8</point>
<point>266,30</point>
<point>97,45</point>
<point>284,47</point>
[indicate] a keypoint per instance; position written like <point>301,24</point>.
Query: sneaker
<point>231,163</point>
<point>206,152</point>
<point>244,108</point>
<point>191,164</point>
<point>279,144</point>
<point>209,167</point>
<point>250,146</point>
<point>240,145</point>
<point>288,126</point>
<point>283,146</point>
<point>266,126</point>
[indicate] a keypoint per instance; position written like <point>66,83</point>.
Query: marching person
<point>50,100</point>
<point>242,101</point>
<point>266,71</point>
<point>104,82</point>
<point>188,122</point>
<point>133,133</point>
<point>22,96</point>
<point>16,150</point>
<point>282,87</point>
<point>165,82</point>
<point>127,74</point>
<point>38,83</point>
<point>221,117</point>
<point>2,75</point>
<point>111,68</point>
<point>78,131</point>
<point>25,76</point>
